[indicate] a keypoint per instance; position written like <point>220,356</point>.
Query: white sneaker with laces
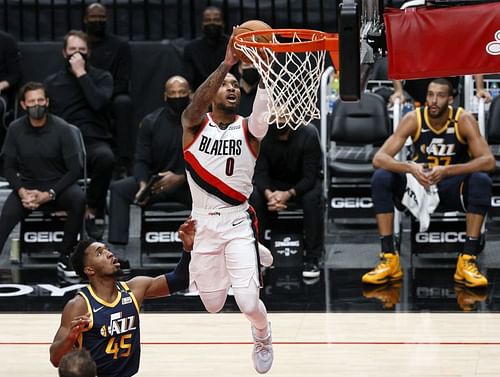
<point>262,354</point>
<point>265,256</point>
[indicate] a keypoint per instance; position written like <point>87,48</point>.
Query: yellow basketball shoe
<point>387,269</point>
<point>389,294</point>
<point>468,299</point>
<point>467,272</point>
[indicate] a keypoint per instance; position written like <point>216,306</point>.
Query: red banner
<point>435,42</point>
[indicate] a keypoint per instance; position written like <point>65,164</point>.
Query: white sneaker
<point>265,256</point>
<point>262,352</point>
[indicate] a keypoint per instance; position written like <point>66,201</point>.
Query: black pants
<point>470,193</point>
<point>123,194</point>
<point>71,200</point>
<point>124,130</point>
<point>100,163</point>
<point>312,203</point>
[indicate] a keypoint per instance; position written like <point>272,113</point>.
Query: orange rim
<point>316,40</point>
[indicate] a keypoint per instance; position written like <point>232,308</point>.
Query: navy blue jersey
<point>113,335</point>
<point>439,147</point>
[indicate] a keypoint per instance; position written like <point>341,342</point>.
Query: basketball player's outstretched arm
<point>74,319</point>
<point>203,96</point>
<point>164,285</point>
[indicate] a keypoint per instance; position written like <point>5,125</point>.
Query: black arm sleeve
<point>74,172</point>
<point>311,164</point>
<point>262,178</point>
<point>13,62</point>
<point>143,152</point>
<point>97,90</point>
<point>10,172</point>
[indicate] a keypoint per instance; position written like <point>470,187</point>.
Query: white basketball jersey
<point>220,165</point>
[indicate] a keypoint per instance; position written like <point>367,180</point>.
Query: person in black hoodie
<point>80,94</point>
<point>203,55</point>
<point>113,54</point>
<point>158,151</point>
<point>42,158</point>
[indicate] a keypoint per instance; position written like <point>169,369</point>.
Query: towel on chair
<point>421,202</point>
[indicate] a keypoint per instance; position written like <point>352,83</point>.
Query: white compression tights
<point>248,301</point>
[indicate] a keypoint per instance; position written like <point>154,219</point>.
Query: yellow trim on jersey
<point>419,125</point>
<point>125,285</point>
<point>445,127</point>
<point>103,302</point>
<point>89,310</point>
<point>457,132</point>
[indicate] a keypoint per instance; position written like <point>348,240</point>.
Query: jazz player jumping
<point>220,149</point>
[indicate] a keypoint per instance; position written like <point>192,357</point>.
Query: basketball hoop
<point>290,66</point>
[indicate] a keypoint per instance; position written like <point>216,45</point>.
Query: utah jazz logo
<point>119,325</point>
<point>438,148</point>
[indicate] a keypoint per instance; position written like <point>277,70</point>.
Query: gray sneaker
<point>262,351</point>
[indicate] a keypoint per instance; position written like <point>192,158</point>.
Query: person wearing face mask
<point>288,173</point>
<point>203,55</point>
<point>113,54</point>
<point>248,86</point>
<point>81,94</point>
<point>42,162</point>
<point>158,152</point>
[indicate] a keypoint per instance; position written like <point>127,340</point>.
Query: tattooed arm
<point>194,114</point>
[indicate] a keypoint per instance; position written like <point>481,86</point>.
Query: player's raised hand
<point>187,231</point>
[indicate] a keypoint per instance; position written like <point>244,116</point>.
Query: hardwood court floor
<point>306,345</point>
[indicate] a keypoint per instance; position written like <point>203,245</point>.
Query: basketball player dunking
<point>220,149</point>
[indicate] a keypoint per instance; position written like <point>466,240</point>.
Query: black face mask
<point>96,28</point>
<point>212,31</point>
<point>84,56</point>
<point>178,104</point>
<point>251,76</point>
<point>37,112</point>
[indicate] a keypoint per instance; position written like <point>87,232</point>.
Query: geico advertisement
<point>352,202</point>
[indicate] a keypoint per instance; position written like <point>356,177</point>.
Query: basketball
<point>252,25</point>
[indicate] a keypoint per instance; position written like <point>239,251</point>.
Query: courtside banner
<point>435,42</point>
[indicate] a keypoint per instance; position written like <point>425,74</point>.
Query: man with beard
<point>80,94</point>
<point>103,317</point>
<point>220,150</point>
<point>203,55</point>
<point>448,152</point>
<point>158,152</point>
<point>112,54</point>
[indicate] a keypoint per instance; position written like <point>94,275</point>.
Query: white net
<point>291,79</point>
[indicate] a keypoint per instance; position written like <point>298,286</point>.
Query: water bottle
<point>407,107</point>
<point>334,93</point>
<point>494,90</point>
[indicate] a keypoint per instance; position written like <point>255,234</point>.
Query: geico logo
<point>34,237</point>
<point>352,203</point>
<point>495,201</point>
<point>155,237</point>
<point>434,292</point>
<point>287,242</point>
<point>439,237</point>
